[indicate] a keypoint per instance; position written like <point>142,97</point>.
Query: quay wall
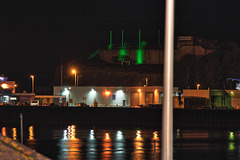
<point>118,117</point>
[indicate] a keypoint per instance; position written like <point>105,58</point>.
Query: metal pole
<point>21,127</point>
<point>32,84</point>
<point>139,37</point>
<point>61,71</point>
<point>167,113</point>
<point>122,37</point>
<point>75,78</point>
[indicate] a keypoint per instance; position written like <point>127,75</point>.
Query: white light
<point>119,135</point>
<point>92,134</point>
<point>65,134</point>
<point>13,98</point>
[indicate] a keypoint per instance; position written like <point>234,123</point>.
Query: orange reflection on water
<point>107,147</point>
<point>138,152</point>
<point>4,132</point>
<point>155,145</point>
<point>31,133</point>
<point>74,149</point>
<point>14,133</point>
<point>72,132</point>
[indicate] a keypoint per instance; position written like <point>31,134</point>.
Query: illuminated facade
<point>228,99</point>
<point>6,90</point>
<point>112,96</point>
<point>132,55</point>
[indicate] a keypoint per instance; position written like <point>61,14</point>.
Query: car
<point>34,103</point>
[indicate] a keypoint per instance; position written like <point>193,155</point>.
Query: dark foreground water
<point>73,142</point>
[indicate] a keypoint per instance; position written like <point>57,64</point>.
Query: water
<point>73,142</point>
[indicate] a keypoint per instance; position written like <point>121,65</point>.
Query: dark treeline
<point>210,71</point>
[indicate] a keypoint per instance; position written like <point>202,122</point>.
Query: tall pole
<point>110,38</point>
<point>122,37</point>
<point>21,127</point>
<point>75,78</point>
<point>167,113</point>
<point>139,37</point>
<point>61,71</point>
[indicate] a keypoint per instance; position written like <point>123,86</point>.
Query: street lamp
<point>198,85</point>
<point>32,83</point>
<point>75,72</point>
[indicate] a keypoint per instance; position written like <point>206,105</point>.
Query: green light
<point>231,146</point>
<point>231,136</point>
<point>93,55</point>
<point>122,54</point>
<point>110,44</point>
<point>139,56</point>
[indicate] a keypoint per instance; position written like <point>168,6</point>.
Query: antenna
<point>139,37</point>
<point>122,37</point>
<point>110,40</point>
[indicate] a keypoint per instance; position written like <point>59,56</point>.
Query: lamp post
<point>32,83</point>
<point>75,72</point>
<point>198,85</point>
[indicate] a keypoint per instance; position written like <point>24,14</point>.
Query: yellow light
<point>15,85</point>
<point>14,133</point>
<point>4,132</point>
<point>139,90</point>
<point>107,93</point>
<point>138,134</point>
<point>198,85</point>
<point>155,135</point>
<point>156,90</point>
<point>4,86</point>
<point>32,76</point>
<point>74,71</point>
<point>107,136</point>
<point>31,133</point>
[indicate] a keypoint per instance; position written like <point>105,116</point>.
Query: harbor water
<point>74,142</point>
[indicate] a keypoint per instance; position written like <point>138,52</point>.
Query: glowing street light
<point>198,85</point>
<point>75,72</point>
<point>32,76</point>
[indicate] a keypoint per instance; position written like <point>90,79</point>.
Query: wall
<point>105,96</point>
<point>117,96</point>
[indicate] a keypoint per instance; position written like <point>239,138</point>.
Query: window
<point>113,97</point>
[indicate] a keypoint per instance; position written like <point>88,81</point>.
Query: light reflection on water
<point>72,142</point>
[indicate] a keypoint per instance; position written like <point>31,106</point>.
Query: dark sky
<point>33,36</point>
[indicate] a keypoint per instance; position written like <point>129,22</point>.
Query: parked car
<point>34,103</point>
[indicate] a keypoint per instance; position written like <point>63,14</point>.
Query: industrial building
<point>113,96</point>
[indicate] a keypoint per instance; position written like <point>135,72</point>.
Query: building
<point>113,96</point>
<point>6,90</point>
<point>47,100</point>
<point>187,45</point>
<point>133,55</point>
<point>229,99</point>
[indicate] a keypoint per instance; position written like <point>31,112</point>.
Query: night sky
<point>33,36</point>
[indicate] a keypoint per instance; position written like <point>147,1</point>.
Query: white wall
<point>79,94</point>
